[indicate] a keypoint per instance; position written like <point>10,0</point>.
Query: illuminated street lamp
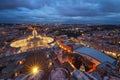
<point>20,62</point>
<point>35,70</point>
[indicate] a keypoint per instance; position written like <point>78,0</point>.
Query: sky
<point>60,11</point>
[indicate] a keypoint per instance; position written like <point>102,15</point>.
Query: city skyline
<point>62,11</point>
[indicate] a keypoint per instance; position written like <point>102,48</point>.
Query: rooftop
<point>95,54</point>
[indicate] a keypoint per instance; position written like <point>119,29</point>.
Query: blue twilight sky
<point>60,11</point>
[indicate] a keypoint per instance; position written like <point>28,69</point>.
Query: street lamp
<point>35,70</point>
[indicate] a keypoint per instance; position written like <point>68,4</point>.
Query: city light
<point>74,52</point>
<point>35,70</point>
<point>34,40</point>
<point>20,62</point>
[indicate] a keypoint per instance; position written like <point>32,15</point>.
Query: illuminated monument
<point>32,42</point>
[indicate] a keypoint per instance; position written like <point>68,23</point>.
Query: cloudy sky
<point>60,11</point>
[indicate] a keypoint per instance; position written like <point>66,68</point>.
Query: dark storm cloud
<point>13,4</point>
<point>90,8</point>
<point>30,4</point>
<point>65,11</point>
